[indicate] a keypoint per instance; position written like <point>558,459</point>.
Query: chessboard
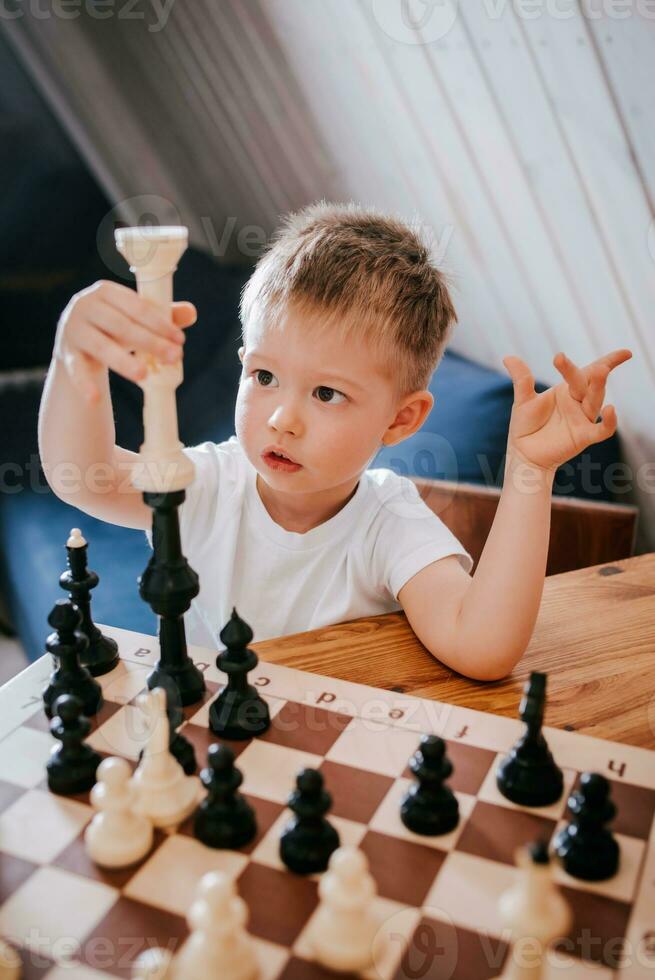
<point>437,896</point>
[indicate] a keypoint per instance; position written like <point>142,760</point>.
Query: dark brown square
<point>470,766</point>
<point>280,902</point>
<point>208,695</point>
<point>495,832</point>
<point>34,964</point>
<point>297,969</point>
<point>201,737</point>
<point>356,793</point>
<point>9,793</point>
<point>599,926</point>
<point>74,858</point>
<point>306,727</point>
<point>129,928</point>
<point>441,949</point>
<point>13,872</point>
<point>635,807</point>
<point>404,871</point>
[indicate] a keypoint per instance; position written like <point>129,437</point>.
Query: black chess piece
<point>429,807</point>
<point>224,818</point>
<point>168,585</point>
<point>66,644</point>
<point>586,846</point>
<point>101,655</point>
<point>528,775</point>
<point>180,747</point>
<point>308,839</point>
<point>239,711</point>
<point>72,766</point>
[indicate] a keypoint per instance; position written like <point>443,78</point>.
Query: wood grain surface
<point>594,637</point>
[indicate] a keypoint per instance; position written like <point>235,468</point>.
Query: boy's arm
<point>481,625</point>
<point>80,459</point>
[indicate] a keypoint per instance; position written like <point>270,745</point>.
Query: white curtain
<point>520,135</point>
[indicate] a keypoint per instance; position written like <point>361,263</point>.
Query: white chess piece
<point>535,911</point>
<point>152,964</point>
<point>10,962</point>
<point>218,945</point>
<point>164,793</point>
<point>116,836</point>
<point>76,539</point>
<point>344,927</point>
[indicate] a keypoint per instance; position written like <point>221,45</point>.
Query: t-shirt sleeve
<point>410,536</point>
<point>198,511</point>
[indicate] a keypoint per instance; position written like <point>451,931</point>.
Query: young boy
<point>344,321</point>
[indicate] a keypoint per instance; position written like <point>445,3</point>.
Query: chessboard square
<point>371,745</point>
<point>76,859</point>
<point>168,879</point>
<point>558,966</point>
<point>9,793</point>
<point>199,715</point>
<point>471,765</point>
<point>404,870</point>
<point>207,696</point>
<point>125,733</point>
<point>635,806</point>
<point>466,893</point>
<point>40,824</point>
<point>23,755</point>
<point>268,850</point>
<point>53,911</point>
<point>387,820</point>
<point>440,949</point>
<point>13,872</point>
<point>280,902</point>
<point>307,727</point>
<point>598,929</point>
<point>356,793</point>
<point>490,793</point>
<point>623,884</point>
<point>271,958</point>
<point>77,972</point>
<point>270,770</point>
<point>128,929</point>
<point>202,737</point>
<point>496,832</point>
<point>124,682</point>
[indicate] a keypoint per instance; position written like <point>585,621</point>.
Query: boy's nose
<point>286,417</point>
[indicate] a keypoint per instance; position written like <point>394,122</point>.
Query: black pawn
<point>429,807</point>
<point>239,711</point>
<point>528,775</point>
<point>66,644</point>
<point>72,766</point>
<point>101,655</point>
<point>179,746</point>
<point>224,818</point>
<point>585,846</point>
<point>308,839</point>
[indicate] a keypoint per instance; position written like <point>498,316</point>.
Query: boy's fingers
<point>606,427</point>
<point>593,400</point>
<point>572,374</point>
<point>521,378</point>
<point>184,314</point>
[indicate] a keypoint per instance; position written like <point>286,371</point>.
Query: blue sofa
<point>463,439</point>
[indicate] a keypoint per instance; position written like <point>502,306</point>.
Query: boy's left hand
<point>550,428</point>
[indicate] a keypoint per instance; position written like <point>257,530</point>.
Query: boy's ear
<point>240,352</point>
<point>410,417</point>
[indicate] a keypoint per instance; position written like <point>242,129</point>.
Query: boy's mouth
<point>279,461</point>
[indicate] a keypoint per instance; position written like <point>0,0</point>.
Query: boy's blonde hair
<point>366,273</point>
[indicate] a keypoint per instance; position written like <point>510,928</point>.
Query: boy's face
<point>328,407</point>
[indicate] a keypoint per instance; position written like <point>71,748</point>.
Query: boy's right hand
<point>103,324</point>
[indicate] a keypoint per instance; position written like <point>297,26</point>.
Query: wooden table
<point>594,637</point>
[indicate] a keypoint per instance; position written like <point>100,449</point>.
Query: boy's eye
<point>325,392</point>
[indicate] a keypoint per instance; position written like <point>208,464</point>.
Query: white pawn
<point>152,964</point>
<point>536,913</point>
<point>218,945</point>
<point>11,966</point>
<point>344,927</point>
<point>116,837</point>
<point>164,793</point>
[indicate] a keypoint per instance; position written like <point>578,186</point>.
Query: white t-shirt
<point>283,582</point>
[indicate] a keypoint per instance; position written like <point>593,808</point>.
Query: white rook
<point>153,254</point>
